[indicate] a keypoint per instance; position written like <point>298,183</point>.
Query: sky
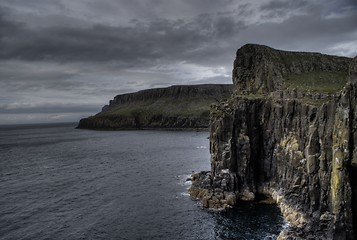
<point>62,60</point>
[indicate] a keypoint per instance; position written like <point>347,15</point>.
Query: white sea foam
<point>286,225</point>
<point>184,194</point>
<point>184,180</point>
<point>270,237</point>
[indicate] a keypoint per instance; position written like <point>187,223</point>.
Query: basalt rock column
<point>295,144</point>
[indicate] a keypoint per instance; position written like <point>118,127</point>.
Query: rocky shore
<point>288,140</point>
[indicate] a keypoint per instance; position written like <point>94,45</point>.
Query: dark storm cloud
<point>21,77</point>
<point>48,108</point>
<point>56,56</point>
<point>323,9</point>
<point>7,27</point>
<point>306,33</point>
<point>141,42</point>
<point>279,5</point>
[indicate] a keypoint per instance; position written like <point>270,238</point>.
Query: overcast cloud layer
<point>62,60</point>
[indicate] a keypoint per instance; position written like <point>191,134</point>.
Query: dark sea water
<point>57,182</point>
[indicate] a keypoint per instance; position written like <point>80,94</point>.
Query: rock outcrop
<point>175,107</point>
<point>295,145</point>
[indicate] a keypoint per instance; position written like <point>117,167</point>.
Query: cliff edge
<point>288,133</point>
<point>175,107</point>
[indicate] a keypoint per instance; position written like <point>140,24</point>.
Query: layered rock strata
<point>302,153</point>
<point>175,107</point>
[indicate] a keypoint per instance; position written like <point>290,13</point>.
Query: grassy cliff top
<point>169,107</point>
<point>261,69</point>
<point>159,107</point>
<point>317,81</point>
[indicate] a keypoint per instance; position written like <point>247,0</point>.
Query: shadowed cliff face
<point>174,107</point>
<point>302,153</point>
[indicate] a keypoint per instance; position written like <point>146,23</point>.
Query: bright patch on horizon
<point>185,71</point>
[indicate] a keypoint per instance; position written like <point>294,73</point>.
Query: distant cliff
<point>288,133</point>
<point>175,107</point>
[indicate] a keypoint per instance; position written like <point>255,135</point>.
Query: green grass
<point>326,82</point>
<point>315,102</point>
<point>187,107</point>
<point>252,96</point>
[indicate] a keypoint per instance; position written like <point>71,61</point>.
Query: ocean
<point>58,182</point>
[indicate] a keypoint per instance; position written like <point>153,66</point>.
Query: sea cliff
<point>175,107</point>
<point>288,133</point>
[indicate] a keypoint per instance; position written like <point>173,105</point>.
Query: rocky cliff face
<point>174,107</point>
<point>301,152</point>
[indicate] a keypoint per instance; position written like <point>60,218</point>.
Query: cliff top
<point>179,106</point>
<point>175,91</point>
<point>251,47</point>
<point>261,69</point>
<point>173,100</point>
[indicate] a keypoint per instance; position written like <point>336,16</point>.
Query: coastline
<point>147,129</point>
<point>296,224</point>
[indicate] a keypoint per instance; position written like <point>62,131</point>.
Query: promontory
<point>289,133</point>
<point>175,107</point>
